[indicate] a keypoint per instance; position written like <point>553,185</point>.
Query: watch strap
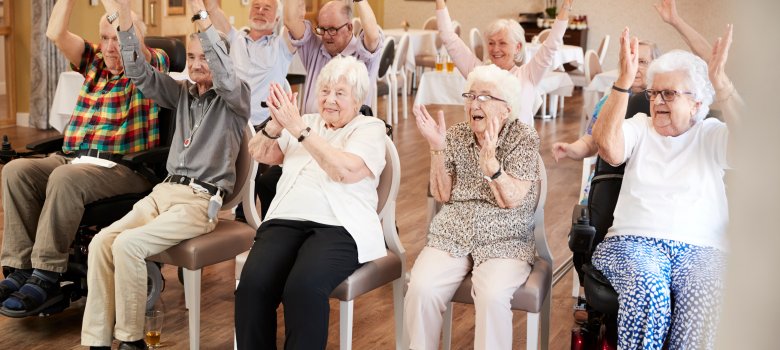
<point>112,17</point>
<point>304,134</point>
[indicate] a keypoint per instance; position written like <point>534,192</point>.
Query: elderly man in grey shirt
<point>211,115</point>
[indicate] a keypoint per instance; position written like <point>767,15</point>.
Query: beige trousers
<point>435,277</point>
<point>43,201</point>
<point>116,278</point>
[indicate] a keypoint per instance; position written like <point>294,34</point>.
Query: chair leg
<point>345,326</point>
<point>553,106</point>
<point>405,96</point>
<point>447,328</point>
<point>545,323</point>
<point>398,312</point>
<point>192,299</point>
<point>532,328</point>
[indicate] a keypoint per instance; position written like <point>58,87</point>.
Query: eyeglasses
<point>469,97</point>
<point>643,63</point>
<point>331,31</point>
<point>666,95</point>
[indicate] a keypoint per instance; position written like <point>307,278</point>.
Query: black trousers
<point>297,263</point>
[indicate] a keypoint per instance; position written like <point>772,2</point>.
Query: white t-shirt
<point>305,192</point>
<point>673,187</point>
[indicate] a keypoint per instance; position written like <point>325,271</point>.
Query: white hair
<point>352,71</point>
<point>694,68</point>
<point>507,84</point>
<point>515,34</point>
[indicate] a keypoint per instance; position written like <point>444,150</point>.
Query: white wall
<point>604,17</point>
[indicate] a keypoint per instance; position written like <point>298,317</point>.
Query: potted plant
<point>551,9</point>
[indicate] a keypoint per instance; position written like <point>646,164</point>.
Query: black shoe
<point>132,345</point>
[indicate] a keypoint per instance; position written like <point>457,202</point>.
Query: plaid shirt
<point>111,114</point>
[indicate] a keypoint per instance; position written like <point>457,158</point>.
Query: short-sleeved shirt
<point>306,192</point>
<point>259,62</point>
<point>314,56</point>
<point>472,222</point>
<point>111,114</point>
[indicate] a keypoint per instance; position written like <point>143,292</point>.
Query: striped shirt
<point>111,114</point>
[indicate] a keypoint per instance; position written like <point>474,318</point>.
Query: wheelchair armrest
<point>591,271</point>
<point>47,145</point>
<point>155,155</point>
<point>582,234</point>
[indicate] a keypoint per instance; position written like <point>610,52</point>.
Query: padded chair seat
<point>106,211</point>
<point>296,79</point>
<point>425,61</point>
<point>232,238</point>
<point>598,292</point>
<point>368,277</point>
<point>529,297</point>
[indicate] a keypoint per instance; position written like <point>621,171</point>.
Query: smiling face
<point>262,15</point>
<point>502,49</point>
<point>337,103</point>
<point>197,66</point>
<point>109,46</point>
<point>481,113</point>
<point>678,116</point>
<point>332,16</point>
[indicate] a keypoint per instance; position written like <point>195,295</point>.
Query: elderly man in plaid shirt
<point>43,199</point>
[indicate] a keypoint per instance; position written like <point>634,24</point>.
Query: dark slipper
<point>31,299</point>
<point>7,288</point>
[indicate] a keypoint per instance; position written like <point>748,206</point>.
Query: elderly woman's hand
<point>717,65</point>
<point>284,111</point>
<point>563,11</point>
<point>435,133</point>
<point>667,9</point>
<point>488,143</point>
<point>629,60</point>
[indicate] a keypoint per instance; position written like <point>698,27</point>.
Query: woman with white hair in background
<point>486,173</point>
<point>322,224</point>
<point>505,46</point>
<point>668,236</point>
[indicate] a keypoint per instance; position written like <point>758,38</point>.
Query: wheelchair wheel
<point>154,284</point>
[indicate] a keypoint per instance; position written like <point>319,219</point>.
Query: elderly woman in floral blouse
<point>485,171</point>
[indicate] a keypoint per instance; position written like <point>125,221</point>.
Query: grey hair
<point>279,12</point>
<point>655,52</point>
<point>514,32</point>
<point>507,83</point>
<point>222,37</point>
<point>694,68</point>
<point>137,22</point>
<point>354,73</point>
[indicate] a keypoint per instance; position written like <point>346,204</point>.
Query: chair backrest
<point>430,23</point>
<point>456,27</point>
<point>174,48</point>
<point>603,48</point>
<point>387,191</point>
<point>540,236</point>
<point>387,57</point>
<point>357,26</point>
<point>246,168</point>
<point>401,53</point>
<point>592,65</point>
<point>477,43</point>
<point>542,36</point>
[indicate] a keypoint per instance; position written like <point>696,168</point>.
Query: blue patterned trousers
<point>649,273</point>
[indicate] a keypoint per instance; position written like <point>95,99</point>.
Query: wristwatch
<point>495,176</point>
<point>112,17</point>
<point>304,134</point>
<point>200,15</point>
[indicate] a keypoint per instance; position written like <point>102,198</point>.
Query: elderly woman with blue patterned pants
<point>665,253</point>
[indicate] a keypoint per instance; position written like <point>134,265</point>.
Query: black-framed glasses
<point>469,97</point>
<point>331,31</point>
<point>666,95</point>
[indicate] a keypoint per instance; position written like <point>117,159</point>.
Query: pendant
<point>187,142</point>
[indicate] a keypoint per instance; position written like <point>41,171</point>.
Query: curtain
<point>47,64</point>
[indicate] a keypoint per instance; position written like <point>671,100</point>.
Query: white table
<point>421,42</point>
<point>597,88</point>
<point>65,97</point>
<point>440,88</point>
<point>566,54</point>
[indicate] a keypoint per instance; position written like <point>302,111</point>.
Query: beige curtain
<point>46,66</point>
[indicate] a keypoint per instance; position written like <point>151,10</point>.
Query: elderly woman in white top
<point>322,224</point>
<point>668,237</point>
<point>486,173</point>
<point>505,46</point>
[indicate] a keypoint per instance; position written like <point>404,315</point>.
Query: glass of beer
<point>450,65</point>
<point>153,323</point>
<point>440,63</point>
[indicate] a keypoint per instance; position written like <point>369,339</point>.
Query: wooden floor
<point>373,327</point>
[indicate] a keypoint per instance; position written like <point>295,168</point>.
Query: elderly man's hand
<point>667,9</point>
<point>435,133</point>
<point>717,65</point>
<point>629,60</point>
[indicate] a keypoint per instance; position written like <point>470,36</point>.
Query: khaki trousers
<point>43,201</point>
<point>116,278</point>
<point>435,277</point>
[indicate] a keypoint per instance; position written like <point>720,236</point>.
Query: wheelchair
<point>101,213</point>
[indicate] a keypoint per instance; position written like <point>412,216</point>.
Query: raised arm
<point>508,190</point>
<point>608,132</point>
<point>543,60</point>
<point>128,21</point>
<point>459,52</point>
<point>371,35</point>
<point>726,96</point>
<point>217,16</point>
<point>71,45</point>
<point>435,133</point>
<point>667,9</point>
<point>294,11</point>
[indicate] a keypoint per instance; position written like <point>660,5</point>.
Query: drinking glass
<point>439,63</point>
<point>450,65</point>
<point>153,323</point>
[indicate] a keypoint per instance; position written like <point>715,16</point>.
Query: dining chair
<point>542,36</point>
<point>376,273</point>
<point>602,52</point>
<point>477,43</point>
<point>229,238</point>
<point>534,295</point>
<point>402,72</point>
<point>357,26</point>
<point>386,78</point>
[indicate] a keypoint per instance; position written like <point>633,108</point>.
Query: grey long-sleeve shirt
<point>211,124</point>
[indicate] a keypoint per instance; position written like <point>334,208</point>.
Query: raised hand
<point>197,5</point>
<point>284,111</point>
<point>488,143</point>
<point>563,11</point>
<point>434,132</point>
<point>717,64</point>
<point>667,9</point>
<point>629,60</point>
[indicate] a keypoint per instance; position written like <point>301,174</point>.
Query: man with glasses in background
<point>333,37</point>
